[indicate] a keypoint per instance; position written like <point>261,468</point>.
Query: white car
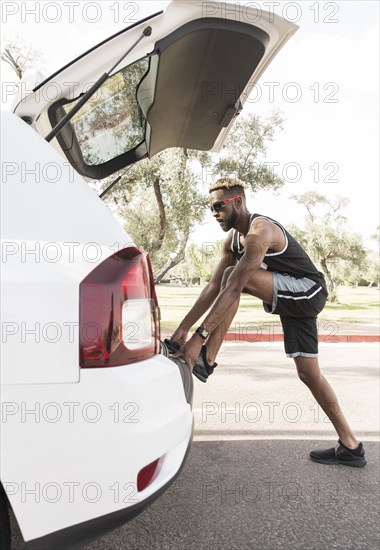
<point>96,422</point>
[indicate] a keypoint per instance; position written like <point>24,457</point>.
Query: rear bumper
<point>83,533</point>
<point>95,435</point>
<point>187,379</point>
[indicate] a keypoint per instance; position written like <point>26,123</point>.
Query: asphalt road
<point>248,482</point>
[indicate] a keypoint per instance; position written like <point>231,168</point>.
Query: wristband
<point>203,333</point>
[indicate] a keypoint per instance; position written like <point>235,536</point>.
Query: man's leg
<point>259,286</point>
<point>298,303</point>
<point>310,374</point>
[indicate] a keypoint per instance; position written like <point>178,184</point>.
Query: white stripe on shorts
<point>282,282</point>
<point>301,354</point>
<point>279,295</point>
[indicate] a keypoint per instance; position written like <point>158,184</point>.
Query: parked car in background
<point>96,419</point>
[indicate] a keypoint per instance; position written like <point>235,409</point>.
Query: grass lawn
<point>356,305</point>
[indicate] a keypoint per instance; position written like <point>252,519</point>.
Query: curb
<point>255,338</point>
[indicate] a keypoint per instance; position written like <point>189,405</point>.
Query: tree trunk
<point>179,256</point>
<point>161,209</point>
<point>180,252</point>
<point>331,286</point>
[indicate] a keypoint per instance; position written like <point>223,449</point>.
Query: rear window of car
<point>110,123</point>
<point>108,131</point>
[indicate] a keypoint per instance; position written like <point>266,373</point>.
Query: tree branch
<point>8,58</point>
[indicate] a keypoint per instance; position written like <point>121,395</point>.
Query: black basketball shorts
<point>297,302</point>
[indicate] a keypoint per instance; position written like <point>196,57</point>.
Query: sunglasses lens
<point>217,206</point>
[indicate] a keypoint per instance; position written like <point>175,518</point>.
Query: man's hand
<point>190,351</point>
<point>180,335</point>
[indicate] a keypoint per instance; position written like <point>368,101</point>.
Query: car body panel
<point>60,232</point>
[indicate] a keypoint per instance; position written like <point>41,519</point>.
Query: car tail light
<point>148,474</point>
<point>118,316</point>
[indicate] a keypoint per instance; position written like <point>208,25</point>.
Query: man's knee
<point>308,370</point>
<point>305,376</point>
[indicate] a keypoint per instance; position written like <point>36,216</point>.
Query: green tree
<point>376,236</point>
<point>244,151</point>
<point>199,262</point>
<point>160,203</point>
<point>354,275</point>
<point>162,199</point>
<point>326,239</point>
<point>191,269</point>
<point>372,274</point>
<point>373,270</point>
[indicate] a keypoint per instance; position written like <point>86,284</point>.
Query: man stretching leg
<point>262,259</point>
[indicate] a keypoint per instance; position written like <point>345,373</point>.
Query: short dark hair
<point>231,186</point>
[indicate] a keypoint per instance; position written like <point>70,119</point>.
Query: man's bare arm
<point>261,237</point>
<point>209,293</point>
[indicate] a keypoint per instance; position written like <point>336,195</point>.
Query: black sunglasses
<point>217,206</point>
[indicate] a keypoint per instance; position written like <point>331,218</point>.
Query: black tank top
<point>292,260</point>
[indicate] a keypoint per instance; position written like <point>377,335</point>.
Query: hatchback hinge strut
<point>58,127</point>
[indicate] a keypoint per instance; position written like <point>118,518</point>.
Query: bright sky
<point>324,81</point>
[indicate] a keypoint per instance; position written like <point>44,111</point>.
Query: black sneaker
<point>340,454</point>
<point>172,345</point>
<point>202,370</point>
